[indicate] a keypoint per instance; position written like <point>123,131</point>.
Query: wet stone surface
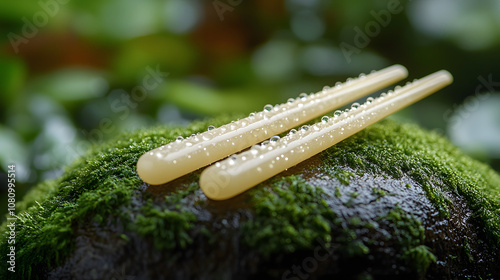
<point>391,202</point>
<point>365,244</point>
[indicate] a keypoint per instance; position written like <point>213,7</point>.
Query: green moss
<point>96,186</point>
<point>167,228</point>
<point>338,194</point>
<point>167,222</point>
<point>176,197</point>
<point>409,233</point>
<point>394,149</point>
<point>467,250</point>
<point>419,258</point>
<point>291,215</point>
<point>339,173</point>
<point>349,203</point>
<point>378,193</point>
<point>352,245</point>
<point>39,194</point>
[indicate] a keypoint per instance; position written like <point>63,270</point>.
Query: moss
<point>339,173</point>
<point>178,196</point>
<point>338,194</point>
<point>167,228</point>
<point>409,233</point>
<point>96,186</point>
<point>378,193</point>
<point>352,245</point>
<point>394,149</point>
<point>419,257</point>
<point>350,202</point>
<point>467,250</point>
<point>167,223</point>
<point>39,194</point>
<point>291,215</point>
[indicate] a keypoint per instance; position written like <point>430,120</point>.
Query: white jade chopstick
<point>183,156</point>
<point>241,172</point>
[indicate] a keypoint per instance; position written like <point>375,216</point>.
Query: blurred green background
<point>74,73</point>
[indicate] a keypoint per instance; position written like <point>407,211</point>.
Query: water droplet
<point>304,127</point>
<point>390,92</point>
<point>179,139</point>
<point>292,131</point>
<point>325,119</point>
<point>232,160</point>
<point>274,139</point>
<point>290,100</point>
<point>211,127</point>
<point>326,88</point>
<point>349,80</point>
<point>397,88</point>
<point>383,94</point>
<point>268,107</point>
<point>189,144</point>
<point>337,113</point>
<point>338,84</point>
<point>303,96</point>
<point>354,105</point>
<point>369,100</point>
<point>362,75</point>
<point>251,115</point>
<point>265,143</point>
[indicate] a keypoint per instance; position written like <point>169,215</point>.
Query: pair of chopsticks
<point>241,172</point>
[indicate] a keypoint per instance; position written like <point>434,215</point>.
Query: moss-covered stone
<point>292,215</point>
<point>391,200</point>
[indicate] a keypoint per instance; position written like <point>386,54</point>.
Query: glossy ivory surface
<point>241,172</point>
<point>183,156</point>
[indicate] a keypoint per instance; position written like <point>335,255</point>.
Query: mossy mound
<point>389,202</point>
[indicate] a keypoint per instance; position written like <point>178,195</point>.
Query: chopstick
<point>241,172</point>
<point>183,156</point>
